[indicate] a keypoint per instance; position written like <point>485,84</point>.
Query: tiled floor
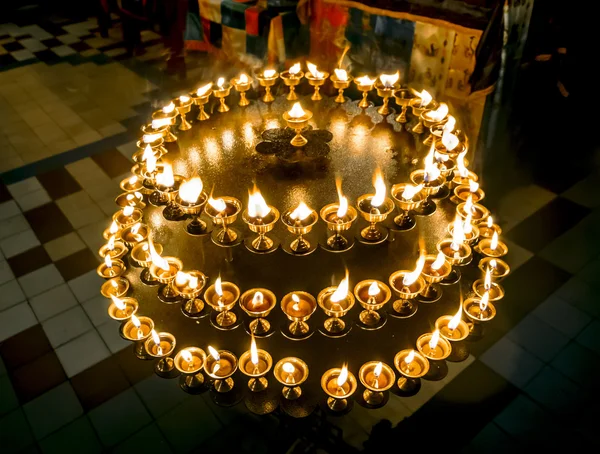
<point>68,385</point>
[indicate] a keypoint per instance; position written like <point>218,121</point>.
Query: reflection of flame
<point>410,357</point>
<point>190,190</point>
<point>253,352</point>
<point>169,108</point>
<point>341,74</point>
<point>410,278</point>
<point>438,262</point>
<point>257,207</point>
<point>341,292</point>
<point>296,300</point>
<point>269,73</point>
<point>373,289</point>
<point>379,184</point>
<point>118,302</point>
<point>494,242</point>
<point>487,281</point>
<point>295,69</point>
<point>111,243</point>
<point>378,369</point>
<point>181,278</point>
<point>458,234</point>
<point>203,90</point>
<point>257,299</point>
<point>473,186</point>
<point>187,356</point>
<point>341,379</point>
<point>388,80</point>
<point>410,191</point>
<point>220,82</point>
<point>243,79</point>
<point>449,140</point>
<point>435,338</point>
<point>343,201</point>
<point>218,287</point>
<point>166,177</point>
<point>108,261</point>
<point>214,353</point>
<point>365,80</point>
<point>440,113</point>
<point>301,212</point>
<point>314,71</point>
<point>217,204</point>
<point>483,303</point>
<point>296,111</point>
<point>453,323</point>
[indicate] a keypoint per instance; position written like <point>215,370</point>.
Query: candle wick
<point>376,382</point>
<point>159,351</point>
<point>371,300</point>
<point>140,333</point>
<point>256,369</point>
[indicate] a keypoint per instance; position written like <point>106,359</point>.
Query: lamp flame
<point>269,73</point>
<point>108,261</point>
<point>288,368</point>
<point>160,122</point>
<point>373,289</point>
<point>487,281</point>
<point>483,303</point>
<point>127,211</point>
<point>343,377</point>
<point>184,99</point>
<point>218,286</point>
<point>111,243</point>
<point>220,82</point>
<point>473,186</point>
<point>410,278</point>
<point>467,226</point>
<point>187,356</point>
<point>380,189</point>
<point>294,69</point>
<point>136,321</point>
<point>440,113</point>
<point>296,111</point>
<point>214,353</point>
<point>243,79</point>
<point>166,177</point>
<point>314,71</point>
<point>425,97</point>
<point>490,222</point>
<point>296,300</point>
<point>257,299</point>
<point>192,281</point>
<point>460,165</point>
<point>493,263</point>
<point>438,262</point>
<point>410,191</point>
<point>450,124</point>
<point>155,337</point>
<point>257,207</point>
<point>378,369</point>
<point>494,242</point>
<point>449,140</point>
<point>435,338</point>
<point>158,261</point>
<point>151,163</point>
<point>118,302</point>
<point>453,323</point>
<point>341,292</point>
<point>365,80</point>
<point>145,156</point>
<point>341,74</point>
<point>458,234</point>
<point>169,108</point>
<point>181,278</point>
<point>410,357</point>
<point>301,212</point>
<point>469,204</point>
<point>190,190</point>
<point>389,80</point>
<point>114,228</point>
<point>253,352</point>
<point>217,204</point>
<point>204,89</point>
<point>432,172</point>
<point>343,204</point>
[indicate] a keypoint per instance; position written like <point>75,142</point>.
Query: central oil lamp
<point>201,97</point>
<point>297,119</point>
<point>339,384</point>
<point>224,212</point>
<point>242,84</point>
<point>365,85</point>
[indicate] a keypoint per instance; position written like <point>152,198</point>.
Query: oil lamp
<point>131,184</point>
<point>137,330</point>
<point>492,247</point>
<point>470,231</point>
<point>407,285</point>
<point>166,117</point>
<point>463,192</point>
<point>435,270</point>
<point>339,384</point>
<point>222,296</point>
<point>256,363</point>
<point>339,218</point>
<point>242,84</point>
<point>191,200</point>
<point>431,180</point>
<point>267,79</point>
<point>499,269</point>
<point>127,216</point>
<point>224,212</point>
<point>372,295</point>
<point>300,222</point>
<point>407,198</point>
<point>116,286</point>
<point>189,363</point>
<point>122,308</point>
<point>403,98</point>
<point>183,104</point>
<point>336,302</point>
<point>113,229</point>
<point>447,144</point>
<point>365,85</point>
<point>433,117</point>
<point>188,286</point>
<point>341,80</point>
<point>141,254</point>
<point>297,119</point>
<point>377,378</point>
<point>463,176</point>
<point>375,208</point>
<point>479,310</point>
<point>115,248</point>
<point>316,78</point>
<point>291,78</point>
<point>434,347</point>
<point>153,138</point>
<point>132,199</point>
<point>201,97</point>
<point>261,219</point>
<point>291,372</point>
<point>456,251</point>
<point>258,303</point>
<point>298,307</point>
<point>419,104</point>
<point>161,346</point>
<point>385,86</point>
<point>452,328</point>
<point>220,366</point>
<point>483,286</point>
<point>412,365</point>
<point>110,268</point>
<point>488,228</point>
<point>222,91</point>
<point>478,212</point>
<point>164,270</point>
<point>167,188</point>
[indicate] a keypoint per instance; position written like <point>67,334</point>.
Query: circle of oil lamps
<point>499,269</point>
<point>115,248</point>
<point>261,219</point>
<point>483,286</point>
<point>436,349</point>
<point>375,208</point>
<point>137,330</point>
<point>407,198</point>
<point>164,270</point>
<point>434,117</point>
<point>267,79</point>
<point>407,285</point>
<point>161,346</point>
<point>291,78</point>
<point>339,218</point>
<point>300,222</point>
<point>431,180</point>
<point>377,378</point>
<point>336,302</point>
<point>419,104</point>
<point>191,200</point>
<point>478,311</point>
<point>478,212</point>
<point>127,216</point>
<point>122,308</point>
<point>133,199</point>
<point>298,307</point>
<point>372,295</point>
<point>183,104</point>
<point>242,84</point>
<point>339,384</point>
<point>201,97</point>
<point>189,362</point>
<point>166,117</point>
<point>316,79</point>
<point>131,184</point>
<point>291,372</point>
<point>341,81</point>
<point>110,268</point>
<point>224,212</point>
<point>258,303</point>
<point>220,365</point>
<point>492,247</point>
<point>364,84</point>
<point>188,286</point>
<point>435,269</point>
<point>488,228</point>
<point>297,119</point>
<point>456,251</point>
<point>222,296</point>
<point>221,92</point>
<point>403,97</point>
<point>385,86</point>
<point>255,364</point>
<point>116,286</point>
<point>135,234</point>
<point>411,365</point>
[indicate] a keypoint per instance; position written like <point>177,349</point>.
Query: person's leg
<point>104,20</point>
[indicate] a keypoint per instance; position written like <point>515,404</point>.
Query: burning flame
<point>151,163</point>
<point>301,212</point>
<point>108,261</point>
<point>114,228</point>
<point>214,353</point>
<point>288,368</point>
<point>494,242</point>
<point>218,287</point>
<point>343,377</point>
<point>410,357</point>
<point>257,299</point>
<point>458,234</point>
<point>187,356</point>
<point>388,80</point>
<point>136,228</point>
<point>380,189</point>
<point>378,369</point>
<point>136,321</point>
<point>438,262</point>
<point>410,278</point>
<point>473,186</point>
<point>314,71</point>
<point>460,165</point>
<point>192,281</point>
<point>145,156</point>
<point>257,207</point>
<point>469,204</point>
<point>343,204</point>
<point>410,191</point>
<point>493,263</point>
<point>190,190</point>
<point>295,69</point>
<point>269,73</point>
<point>166,177</point>
<point>217,204</point>
<point>365,80</point>
<point>203,90</point>
<point>449,140</point>
<point>243,79</point>
<point>296,300</point>
<point>220,82</point>
<point>490,222</point>
<point>453,323</point>
<point>373,289</point>
<point>181,278</point>
<point>296,111</point>
<point>425,97</point>
<point>450,124</point>
<point>118,302</point>
<point>435,338</point>
<point>111,243</point>
<point>432,172</point>
<point>127,211</point>
<point>160,122</point>
<point>440,113</point>
<point>169,108</point>
<point>483,303</point>
<point>341,292</point>
<point>341,74</point>
<point>253,352</point>
<point>487,281</point>
<point>184,99</point>
<point>158,261</point>
<point>156,338</point>
<point>467,226</point>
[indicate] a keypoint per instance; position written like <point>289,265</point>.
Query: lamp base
<point>404,222</point>
<point>335,327</point>
<point>373,235</point>
<point>426,208</point>
<point>452,278</point>
<point>371,320</point>
<point>408,386</point>
<point>261,245</point>
<point>297,331</point>
<point>225,320</point>
<point>373,399</point>
<point>260,327</point>
<point>195,309</point>
<point>403,309</point>
<point>165,368</point>
<point>193,384</point>
<point>197,227</point>
<point>431,294</point>
<point>339,407</point>
<point>338,243</point>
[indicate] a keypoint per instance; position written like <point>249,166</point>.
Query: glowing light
<point>301,212</point>
<point>473,186</point>
<point>145,156</point>
<point>296,111</point>
<point>114,228</point>
<point>184,99</point>
<point>432,172</point>
<point>460,165</point>
<point>217,204</point>
<point>118,302</point>
<point>425,97</point>
<point>440,113</point>
<point>253,352</point>
<point>204,89</point>
<point>136,321</point>
<point>160,122</point>
<point>493,263</point>
<point>169,108</point>
<point>487,281</point>
<point>243,79</point>
<point>187,356</point>
<point>295,69</point>
<point>458,234</point>
<point>469,208</point>
<point>450,124</point>
<point>410,191</point>
<point>435,338</point>
<point>365,80</point>
<point>165,178</point>
<point>341,74</point>
<point>192,281</point>
<point>296,300</point>
<point>108,261</point>
<point>490,222</point>
<point>380,190</point>
<point>314,71</point>
<point>257,300</point>
<point>467,226</point>
<point>453,323</point>
<point>181,278</point>
<point>343,377</point>
<point>410,357</point>
<point>449,140</point>
<point>269,73</point>
<point>438,262</point>
<point>111,243</point>
<point>483,303</point>
<point>220,82</point>
<point>151,164</point>
<point>389,80</point>
<point>214,353</point>
<point>136,228</point>
<point>343,201</point>
<point>190,190</point>
<point>218,287</point>
<point>288,368</point>
<point>494,242</point>
<point>341,292</point>
<point>373,289</point>
<point>411,278</point>
<point>378,369</point>
<point>127,211</point>
<point>257,207</point>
